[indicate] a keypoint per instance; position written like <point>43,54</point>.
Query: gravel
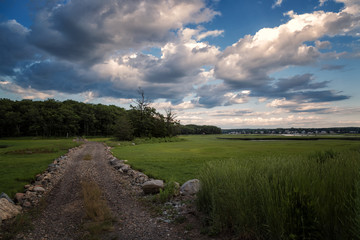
<point>63,215</point>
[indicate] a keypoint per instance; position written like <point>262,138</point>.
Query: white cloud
<point>322,2</point>
<point>180,64</point>
<point>213,33</point>
<point>25,93</point>
<point>277,3</point>
<point>249,61</point>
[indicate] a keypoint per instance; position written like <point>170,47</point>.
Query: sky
<point>229,63</point>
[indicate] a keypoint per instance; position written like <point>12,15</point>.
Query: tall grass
<point>279,197</point>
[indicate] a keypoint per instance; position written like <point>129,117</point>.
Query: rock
<point>125,168</point>
<point>39,189</point>
<point>19,197</point>
<point>152,186</point>
<point>8,209</point>
<point>4,195</point>
<point>27,186</point>
<point>52,167</point>
<point>141,178</point>
<point>191,187</point>
<point>116,163</point>
<point>26,204</point>
<point>39,177</point>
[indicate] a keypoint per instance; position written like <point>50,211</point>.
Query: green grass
<point>287,197</point>
<point>22,158</point>
<point>181,161</point>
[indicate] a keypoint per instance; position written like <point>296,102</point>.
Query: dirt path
<point>64,213</point>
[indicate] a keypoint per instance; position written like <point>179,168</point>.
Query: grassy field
<point>181,161</point>
<point>263,189</point>
<point>21,159</point>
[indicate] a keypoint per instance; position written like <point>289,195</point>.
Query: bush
<point>284,198</point>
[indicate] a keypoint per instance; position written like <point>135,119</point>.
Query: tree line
<point>53,118</point>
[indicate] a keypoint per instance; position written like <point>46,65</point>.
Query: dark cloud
<point>332,67</point>
<point>299,82</point>
<point>320,96</point>
<point>61,76</point>
<point>14,50</point>
<point>91,30</point>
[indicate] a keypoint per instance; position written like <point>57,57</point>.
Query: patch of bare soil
<point>64,217</point>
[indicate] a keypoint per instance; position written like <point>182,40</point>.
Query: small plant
<point>97,211</point>
<point>87,157</point>
<point>167,193</point>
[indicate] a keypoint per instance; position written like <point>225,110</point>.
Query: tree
<point>123,130</point>
<point>172,125</point>
<point>141,116</point>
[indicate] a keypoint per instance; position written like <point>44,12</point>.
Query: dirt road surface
<point>63,215</point>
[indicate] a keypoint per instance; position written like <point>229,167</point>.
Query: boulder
<point>19,198</point>
<point>4,195</point>
<point>39,189</point>
<point>191,187</point>
<point>8,209</point>
<point>153,186</point>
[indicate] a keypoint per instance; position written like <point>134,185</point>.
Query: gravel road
<point>63,215</point>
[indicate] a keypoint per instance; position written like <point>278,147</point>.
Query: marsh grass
<point>182,160</point>
<point>97,211</point>
<point>295,197</point>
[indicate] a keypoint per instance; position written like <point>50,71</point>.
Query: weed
<point>87,157</point>
<point>96,209</point>
<point>167,193</point>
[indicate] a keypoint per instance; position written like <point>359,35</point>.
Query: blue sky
<point>230,63</point>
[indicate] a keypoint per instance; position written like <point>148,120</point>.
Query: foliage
<point>123,129</point>
<point>23,158</point>
<point>196,129</point>
<point>167,193</point>
<point>70,118</point>
<point>147,122</point>
<point>278,197</point>
<point>53,118</point>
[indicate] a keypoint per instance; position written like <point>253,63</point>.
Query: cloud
<point>330,67</point>
<point>277,3</point>
<point>98,49</point>
<point>299,82</point>
<point>249,62</point>
<point>181,63</point>
<point>87,31</point>
<point>305,105</point>
<point>322,2</point>
<point>14,49</point>
<point>25,93</point>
